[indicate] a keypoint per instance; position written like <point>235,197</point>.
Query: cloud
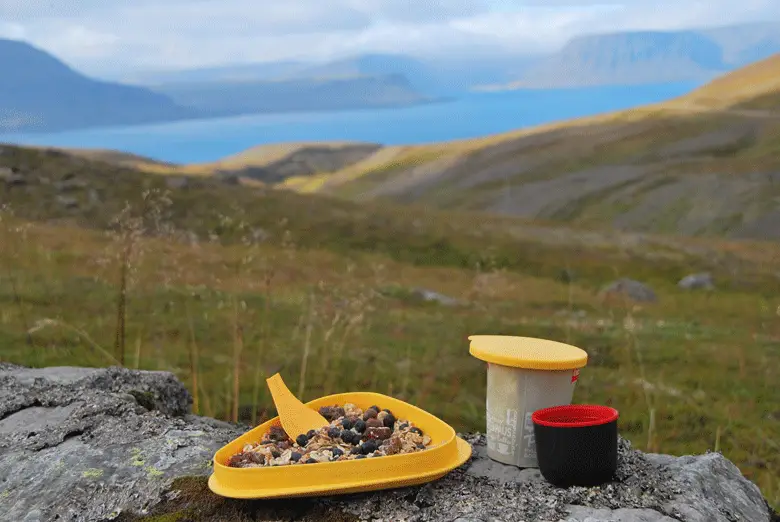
<point>108,36</point>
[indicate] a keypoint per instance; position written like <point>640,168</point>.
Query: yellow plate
<point>445,453</point>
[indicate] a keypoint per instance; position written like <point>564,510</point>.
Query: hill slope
<point>678,167</point>
<point>756,86</point>
<point>39,92</point>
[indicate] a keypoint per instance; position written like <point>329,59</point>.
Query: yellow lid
<point>527,352</point>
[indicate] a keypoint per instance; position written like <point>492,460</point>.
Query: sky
<point>104,36</point>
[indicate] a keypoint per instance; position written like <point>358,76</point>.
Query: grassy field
<point>225,285</point>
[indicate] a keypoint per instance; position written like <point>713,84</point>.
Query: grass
<point>323,295</point>
<point>753,81</point>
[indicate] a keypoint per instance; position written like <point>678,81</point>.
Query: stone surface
<point>67,202</point>
<point>633,290</point>
<point>11,178</point>
<point>703,281</point>
<point>80,444</point>
<point>434,297</point>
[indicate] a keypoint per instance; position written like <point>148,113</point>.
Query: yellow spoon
<point>296,417</point>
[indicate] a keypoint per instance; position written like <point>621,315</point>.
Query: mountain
<point>641,57</point>
<point>228,98</point>
<point>682,167</point>
<point>439,77</point>
<point>39,92</point>
<point>224,73</point>
<point>432,78</point>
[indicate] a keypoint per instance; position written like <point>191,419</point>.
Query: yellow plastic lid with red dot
<point>527,352</point>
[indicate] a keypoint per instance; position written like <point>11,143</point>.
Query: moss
<point>194,502</point>
<point>92,473</point>
<point>153,472</point>
<point>137,457</point>
<point>144,398</point>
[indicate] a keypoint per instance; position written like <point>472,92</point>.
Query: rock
<point>94,197</point>
<point>434,297</point>
<point>633,290</point>
<point>11,177</point>
<point>83,444</point>
<point>70,184</point>
<point>67,202</point>
<point>228,178</point>
<point>697,281</point>
<point>177,182</point>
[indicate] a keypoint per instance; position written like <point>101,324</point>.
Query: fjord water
<point>471,116</point>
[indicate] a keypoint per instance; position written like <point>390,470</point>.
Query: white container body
<point>513,395</point>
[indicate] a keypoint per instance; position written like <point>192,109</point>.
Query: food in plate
<point>352,433</point>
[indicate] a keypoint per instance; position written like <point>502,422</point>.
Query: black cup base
<point>577,456</point>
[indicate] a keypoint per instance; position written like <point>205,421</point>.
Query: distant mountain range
<point>229,98</point>
<point>431,78</point>
<point>40,93</point>
<point>636,57</point>
<point>644,57</point>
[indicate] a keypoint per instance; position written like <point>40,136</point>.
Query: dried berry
<point>337,452</point>
<point>256,458</point>
<point>360,426</point>
<point>302,440</point>
<point>311,461</point>
<point>373,423</point>
<point>378,433</point>
<point>355,451</point>
<point>418,431</point>
<point>347,424</point>
<point>295,456</point>
<point>370,413</point>
<point>332,413</point>
<point>403,426</point>
<point>347,436</point>
<point>360,457</point>
<point>334,433</point>
<point>389,421</point>
<point>275,453</point>
<point>367,447</point>
<point>235,460</point>
<point>311,433</point>
<point>277,433</point>
<point>376,408</point>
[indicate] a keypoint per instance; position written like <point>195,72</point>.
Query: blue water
<point>471,116</point>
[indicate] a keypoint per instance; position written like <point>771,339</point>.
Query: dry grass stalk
<point>306,347</point>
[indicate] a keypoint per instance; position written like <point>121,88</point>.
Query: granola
<point>352,434</point>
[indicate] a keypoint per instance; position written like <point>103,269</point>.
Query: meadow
<point>224,285</point>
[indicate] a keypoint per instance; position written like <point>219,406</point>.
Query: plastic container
<point>576,444</point>
<point>445,453</point>
<point>524,375</point>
